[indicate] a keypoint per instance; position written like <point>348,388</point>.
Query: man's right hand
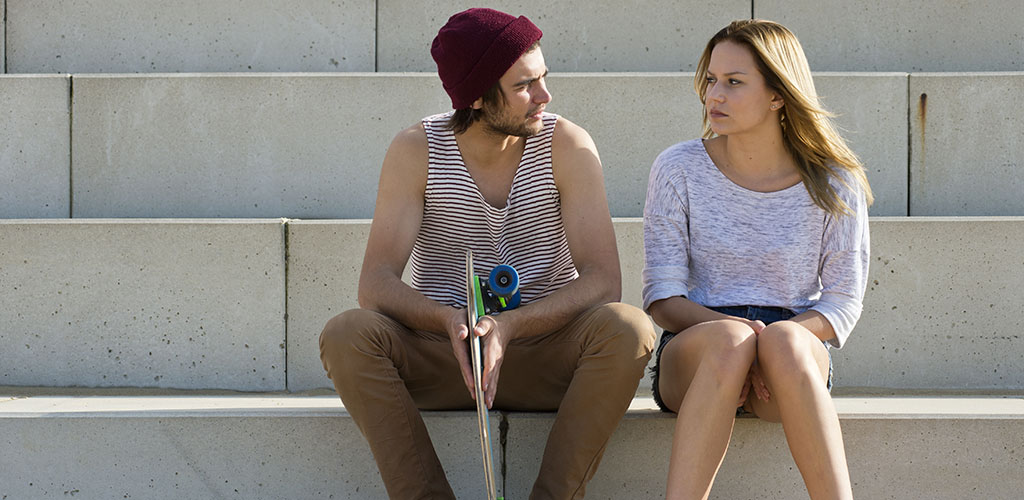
<point>458,332</point>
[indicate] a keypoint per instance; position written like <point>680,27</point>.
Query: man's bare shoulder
<point>408,155</point>
<point>569,136</point>
<point>574,156</point>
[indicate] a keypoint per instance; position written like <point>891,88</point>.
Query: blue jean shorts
<point>767,315</point>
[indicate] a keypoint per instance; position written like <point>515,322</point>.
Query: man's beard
<point>497,122</point>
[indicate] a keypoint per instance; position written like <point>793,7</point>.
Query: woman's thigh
<point>725,340</point>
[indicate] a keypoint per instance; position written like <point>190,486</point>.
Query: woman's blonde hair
<point>807,128</point>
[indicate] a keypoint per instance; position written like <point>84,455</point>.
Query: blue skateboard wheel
<point>504,281</point>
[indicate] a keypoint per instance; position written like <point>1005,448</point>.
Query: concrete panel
<point>324,261</point>
<point>929,320</point>
<point>965,144</point>
<point>176,304</point>
<point>871,116</point>
<point>306,146</point>
<point>912,35</point>
<point>258,448</point>
<point>942,309</point>
<point>592,36</point>
<point>129,36</point>
<point>35,156</point>
<point>631,127</point>
<point>889,456</point>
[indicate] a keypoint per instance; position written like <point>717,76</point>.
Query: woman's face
<point>737,99</point>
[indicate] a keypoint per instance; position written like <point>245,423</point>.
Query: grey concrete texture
<point>890,458</point>
<point>633,117</point>
<point>170,304</point>
<point>596,35</point>
<point>35,156</point>
<point>306,146</point>
<point>273,146</point>
<point>912,35</point>
<point>942,309</point>
<point>129,36</point>
<point>324,261</point>
<point>931,317</point>
<point>255,457</point>
<point>965,144</point>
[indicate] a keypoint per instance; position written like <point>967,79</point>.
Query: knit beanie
<point>476,47</point>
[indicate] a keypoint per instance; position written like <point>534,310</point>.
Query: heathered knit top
<point>526,233</point>
<point>719,244</point>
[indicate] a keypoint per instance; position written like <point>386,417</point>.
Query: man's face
<point>526,95</point>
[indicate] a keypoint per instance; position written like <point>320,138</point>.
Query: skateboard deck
<point>475,309</point>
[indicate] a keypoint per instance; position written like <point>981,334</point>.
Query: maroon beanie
<point>475,47</point>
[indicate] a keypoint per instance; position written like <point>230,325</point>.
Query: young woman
<point>756,241</point>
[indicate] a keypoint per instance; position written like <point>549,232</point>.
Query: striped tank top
<point>527,233</point>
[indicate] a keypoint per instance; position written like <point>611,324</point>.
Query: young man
<point>517,186</point>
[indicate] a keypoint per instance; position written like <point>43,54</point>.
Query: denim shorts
<point>766,314</point>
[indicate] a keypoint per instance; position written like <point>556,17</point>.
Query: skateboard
<point>499,292</point>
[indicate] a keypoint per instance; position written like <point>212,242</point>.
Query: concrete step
<point>270,446</point>
<point>270,145</point>
<point>239,304</point>
<point>69,36</point>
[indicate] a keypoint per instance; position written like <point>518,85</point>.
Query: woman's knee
<point>727,347</point>
<point>785,349</point>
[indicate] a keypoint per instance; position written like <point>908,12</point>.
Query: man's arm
<point>396,222</point>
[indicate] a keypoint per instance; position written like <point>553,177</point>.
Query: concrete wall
<point>176,304</point>
<point>942,309</point>
<point>598,35</point>
<point>127,36</point>
<point>35,154</point>
<point>324,261</point>
<point>136,303</point>
<point>311,146</point>
<point>889,458</point>
<point>127,449</point>
<point>966,146</point>
<point>910,35</point>
<point>933,284</point>
<point>238,146</point>
<point>390,35</point>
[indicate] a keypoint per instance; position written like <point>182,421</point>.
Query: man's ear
<point>478,103</point>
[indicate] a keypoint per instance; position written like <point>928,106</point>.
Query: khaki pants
<point>588,371</point>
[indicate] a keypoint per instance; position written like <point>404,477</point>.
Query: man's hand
<point>495,338</point>
<point>458,333</point>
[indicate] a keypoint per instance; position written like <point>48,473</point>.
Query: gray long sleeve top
<point>719,244</point>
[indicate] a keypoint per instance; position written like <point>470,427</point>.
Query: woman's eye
<point>733,81</point>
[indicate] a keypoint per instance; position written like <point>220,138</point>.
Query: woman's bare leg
<point>702,372</point>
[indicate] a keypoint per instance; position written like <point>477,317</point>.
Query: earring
<point>774,107</point>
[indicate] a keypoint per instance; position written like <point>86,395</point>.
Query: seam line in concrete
<point>376,36</point>
<point>71,146</point>
<point>5,36</point>
<point>284,227</point>
<point>910,145</point>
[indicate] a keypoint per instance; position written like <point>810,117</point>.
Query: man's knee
<point>626,328</point>
<point>348,332</point>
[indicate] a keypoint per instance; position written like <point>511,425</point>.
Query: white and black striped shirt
<point>527,233</point>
